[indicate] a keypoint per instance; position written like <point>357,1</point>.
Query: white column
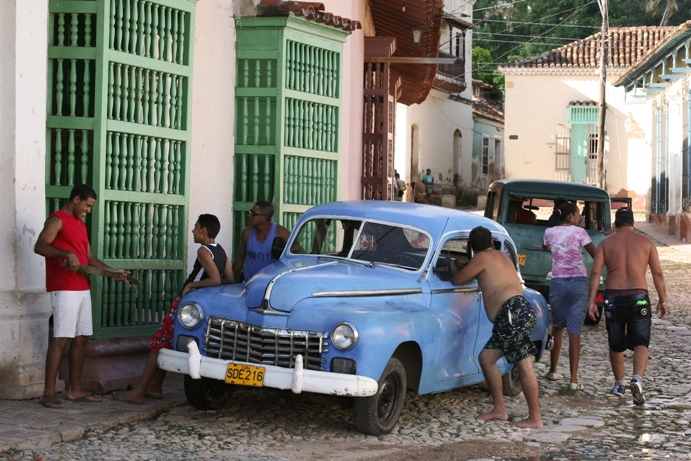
<point>24,304</point>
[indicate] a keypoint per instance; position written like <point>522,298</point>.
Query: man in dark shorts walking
<point>513,318</point>
<point>628,311</point>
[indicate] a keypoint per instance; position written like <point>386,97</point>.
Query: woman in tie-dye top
<point>568,292</point>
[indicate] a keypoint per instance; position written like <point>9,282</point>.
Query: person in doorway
<point>628,311</point>
<point>256,239</point>
<point>398,187</point>
<point>568,291</point>
<point>211,268</point>
<point>513,318</point>
<point>428,180</point>
<point>64,238</point>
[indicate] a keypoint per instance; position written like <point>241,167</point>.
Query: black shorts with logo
<point>628,318</point>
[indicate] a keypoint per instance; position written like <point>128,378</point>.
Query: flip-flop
<point>84,399</point>
<point>121,398</point>
<point>154,397</point>
<point>55,404</point>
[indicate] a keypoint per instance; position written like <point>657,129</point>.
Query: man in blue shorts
<point>628,311</point>
<point>513,318</point>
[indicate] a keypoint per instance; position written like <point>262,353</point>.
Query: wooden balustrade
<point>143,304</point>
<point>311,125</point>
<point>148,29</point>
<point>143,164</point>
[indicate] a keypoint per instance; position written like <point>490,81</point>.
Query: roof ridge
<point>627,44</point>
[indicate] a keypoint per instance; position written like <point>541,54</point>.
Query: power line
<point>518,35</point>
<point>505,5</point>
<point>538,23</point>
<point>495,61</point>
<point>524,43</point>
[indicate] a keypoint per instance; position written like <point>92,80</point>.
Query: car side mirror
<point>277,247</point>
<point>445,269</point>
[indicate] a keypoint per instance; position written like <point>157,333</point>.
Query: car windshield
<point>367,241</point>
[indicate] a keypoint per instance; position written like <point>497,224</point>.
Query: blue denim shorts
<point>568,300</point>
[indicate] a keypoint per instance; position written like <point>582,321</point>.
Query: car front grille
<point>232,340</point>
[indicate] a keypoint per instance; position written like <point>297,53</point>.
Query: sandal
<point>575,386</point>
<point>552,376</point>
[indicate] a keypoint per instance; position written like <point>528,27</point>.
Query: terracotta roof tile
<point>314,11</point>
<point>626,46</point>
<point>482,108</point>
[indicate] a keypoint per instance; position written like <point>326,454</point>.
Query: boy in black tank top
<point>211,268</point>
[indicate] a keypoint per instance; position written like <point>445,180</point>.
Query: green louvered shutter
<point>287,116</point>
<point>119,99</point>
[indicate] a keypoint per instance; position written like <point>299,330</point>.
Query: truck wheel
<point>511,383</point>
<point>378,414</point>
<point>206,393</point>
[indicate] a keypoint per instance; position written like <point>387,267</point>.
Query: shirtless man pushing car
<point>513,318</point>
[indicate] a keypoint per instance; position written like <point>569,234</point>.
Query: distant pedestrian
<point>628,311</point>
<point>568,291</point>
<point>428,180</point>
<point>398,187</point>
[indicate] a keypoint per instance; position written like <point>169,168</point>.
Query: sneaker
<point>618,390</point>
<point>637,392</point>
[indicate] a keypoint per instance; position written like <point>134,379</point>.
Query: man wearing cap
<point>628,311</point>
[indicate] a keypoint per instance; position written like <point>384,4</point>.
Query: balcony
<point>455,70</point>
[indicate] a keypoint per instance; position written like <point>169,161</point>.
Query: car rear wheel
<point>207,394</point>
<point>378,414</point>
<point>511,383</point>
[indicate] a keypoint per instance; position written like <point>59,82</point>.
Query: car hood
<point>286,283</point>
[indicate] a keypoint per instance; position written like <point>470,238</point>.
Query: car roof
<point>431,218</point>
<point>546,188</point>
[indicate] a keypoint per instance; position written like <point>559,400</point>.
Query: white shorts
<point>71,313</point>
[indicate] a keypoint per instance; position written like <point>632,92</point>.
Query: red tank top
<point>72,237</point>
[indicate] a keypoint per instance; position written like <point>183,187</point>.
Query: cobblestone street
<point>579,425</point>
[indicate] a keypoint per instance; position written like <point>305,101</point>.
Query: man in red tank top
<point>64,238</point>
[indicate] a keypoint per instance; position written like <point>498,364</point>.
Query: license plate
<point>521,260</point>
<point>245,375</point>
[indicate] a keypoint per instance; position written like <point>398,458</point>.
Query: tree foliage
<point>508,30</point>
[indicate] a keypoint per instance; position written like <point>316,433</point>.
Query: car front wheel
<point>378,414</point>
<point>511,383</point>
<point>207,394</point>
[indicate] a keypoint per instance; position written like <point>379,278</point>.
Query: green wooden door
<point>119,92</point>
<point>287,116</point>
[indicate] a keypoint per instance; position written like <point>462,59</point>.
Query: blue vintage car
<point>356,305</point>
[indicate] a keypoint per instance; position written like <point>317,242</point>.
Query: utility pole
<point>604,44</point>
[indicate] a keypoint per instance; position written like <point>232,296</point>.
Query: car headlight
<point>190,315</point>
<point>344,336</point>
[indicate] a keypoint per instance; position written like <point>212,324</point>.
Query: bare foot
<point>128,397</point>
<point>494,416</point>
<point>529,423</point>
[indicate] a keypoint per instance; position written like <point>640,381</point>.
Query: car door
<point>459,310</point>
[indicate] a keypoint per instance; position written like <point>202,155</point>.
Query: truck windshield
<point>534,210</point>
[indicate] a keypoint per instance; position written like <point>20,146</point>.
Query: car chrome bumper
<point>297,379</point>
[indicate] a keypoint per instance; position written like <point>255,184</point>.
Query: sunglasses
<point>253,214</point>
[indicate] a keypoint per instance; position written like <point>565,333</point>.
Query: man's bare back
<point>627,256</point>
<point>496,276</point>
